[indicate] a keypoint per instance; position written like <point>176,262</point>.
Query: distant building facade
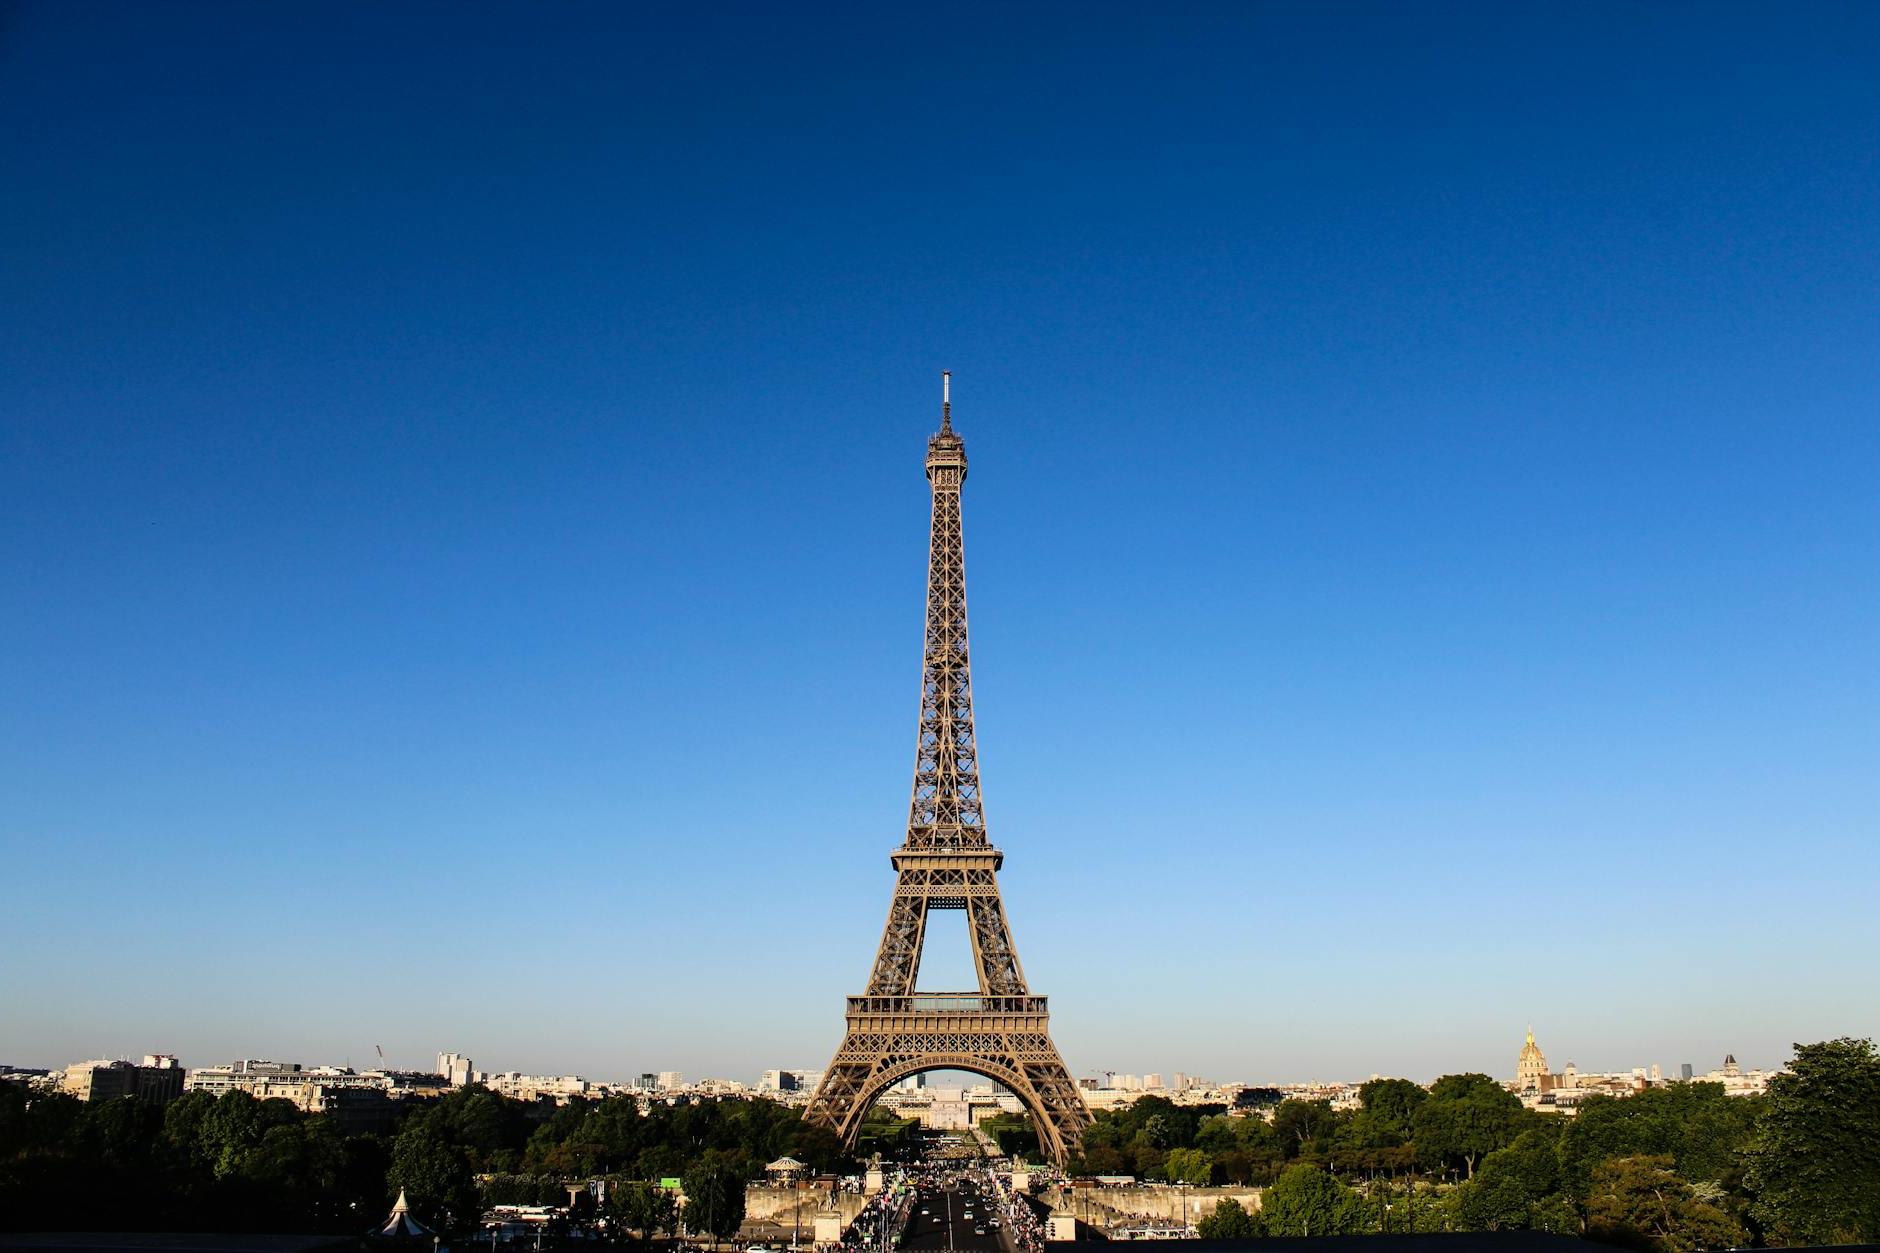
<point>1539,1088</point>
<point>159,1079</point>
<point>359,1100</point>
<point>789,1086</point>
<point>536,1087</point>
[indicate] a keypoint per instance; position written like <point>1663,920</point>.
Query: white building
<point>159,1079</point>
<point>532,1087</point>
<point>254,1075</point>
<point>458,1070</point>
<point>804,1081</point>
<point>1739,1082</point>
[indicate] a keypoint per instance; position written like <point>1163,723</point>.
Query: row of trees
<point>1670,1169</point>
<point>234,1163</point>
<point>1399,1127</point>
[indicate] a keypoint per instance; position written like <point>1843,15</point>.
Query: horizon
<point>467,527</point>
<point>392,1064</point>
<point>946,1078</point>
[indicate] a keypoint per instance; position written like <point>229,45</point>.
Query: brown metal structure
<point>1001,1031</point>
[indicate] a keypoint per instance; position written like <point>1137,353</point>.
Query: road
<point>939,1219</point>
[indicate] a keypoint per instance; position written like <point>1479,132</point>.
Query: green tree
<point>659,1161</point>
<point>119,1132</point>
<point>1156,1132</point>
<point>484,1125</point>
<point>1489,1204</point>
<point>1012,1133</point>
<point>1364,1133</point>
<point>1305,1201</point>
<point>303,1161</point>
<point>1639,1202</point>
<point>1465,1118</point>
<point>642,1207</point>
<point>1189,1166</point>
<point>1148,1161</point>
<point>1702,1128</point>
<point>1217,1134</point>
<point>714,1196</point>
<point>433,1174</point>
<point>1228,1220</point>
<point>1814,1165</point>
<point>183,1119</point>
<point>1103,1160</point>
<point>235,1124</point>
<point>1510,1184</point>
<point>1297,1124</point>
<point>12,1120</point>
<point>1392,1104</point>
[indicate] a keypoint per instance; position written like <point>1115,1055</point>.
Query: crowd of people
<point>1021,1220</point>
<point>879,1224</point>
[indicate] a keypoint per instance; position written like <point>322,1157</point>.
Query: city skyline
<point>465,533</point>
<point>627,1074</point>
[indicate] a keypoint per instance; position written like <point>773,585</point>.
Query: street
<point>940,1221</point>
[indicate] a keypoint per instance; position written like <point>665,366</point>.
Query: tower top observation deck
<point>946,451</point>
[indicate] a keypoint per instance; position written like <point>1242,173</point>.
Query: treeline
<point>1013,1133</point>
<point>1670,1169</point>
<point>1399,1127</point>
<point>886,1133</point>
<point>232,1163</point>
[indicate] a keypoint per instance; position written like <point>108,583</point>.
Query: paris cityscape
<point>487,483</point>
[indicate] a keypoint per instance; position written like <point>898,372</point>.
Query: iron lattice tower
<point>1002,1031</point>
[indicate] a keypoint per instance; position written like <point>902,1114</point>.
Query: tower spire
<point>946,809</point>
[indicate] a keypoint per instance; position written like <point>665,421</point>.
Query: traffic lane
<point>945,1225</point>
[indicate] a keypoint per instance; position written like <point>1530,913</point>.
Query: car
<point>924,1211</point>
<point>979,1231</point>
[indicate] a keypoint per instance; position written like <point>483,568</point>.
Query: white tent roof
<point>401,1225</point>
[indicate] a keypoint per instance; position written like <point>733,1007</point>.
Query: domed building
<point>1530,1073</point>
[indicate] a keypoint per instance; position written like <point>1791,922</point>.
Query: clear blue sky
<point>463,525</point>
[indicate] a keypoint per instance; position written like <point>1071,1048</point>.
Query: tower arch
<point>1050,1139</point>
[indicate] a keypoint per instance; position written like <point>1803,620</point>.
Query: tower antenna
<point>946,400</point>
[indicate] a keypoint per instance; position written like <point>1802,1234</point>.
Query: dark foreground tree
<point>1640,1203</point>
<point>1814,1165</point>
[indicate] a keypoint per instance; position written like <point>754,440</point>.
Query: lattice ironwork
<point>947,862</point>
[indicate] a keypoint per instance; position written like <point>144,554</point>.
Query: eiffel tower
<point>1001,1031</point>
